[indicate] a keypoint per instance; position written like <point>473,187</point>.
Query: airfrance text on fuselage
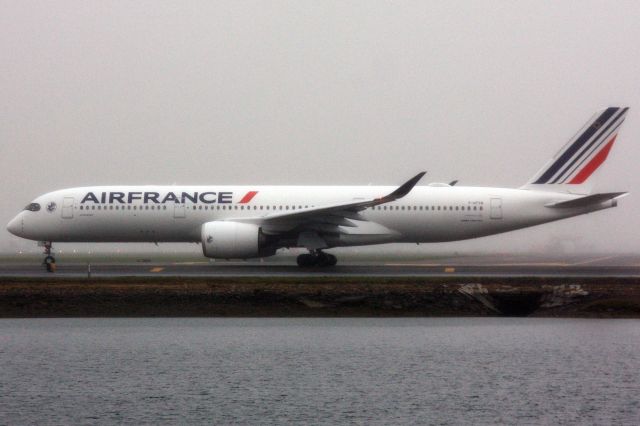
<point>157,198</point>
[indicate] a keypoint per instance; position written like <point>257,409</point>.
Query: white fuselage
<point>165,214</point>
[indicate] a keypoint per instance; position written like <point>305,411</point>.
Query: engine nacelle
<point>231,240</point>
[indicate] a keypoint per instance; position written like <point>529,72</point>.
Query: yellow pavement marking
<point>528,264</point>
<point>593,260</point>
<point>449,269</point>
<point>157,269</point>
<point>412,264</point>
<point>484,264</point>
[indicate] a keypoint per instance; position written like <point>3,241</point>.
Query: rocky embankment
<point>287,297</point>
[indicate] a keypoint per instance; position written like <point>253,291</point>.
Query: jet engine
<point>232,240</point>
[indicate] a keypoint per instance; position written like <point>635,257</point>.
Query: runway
<point>455,266</point>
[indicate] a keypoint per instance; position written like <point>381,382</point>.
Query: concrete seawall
<point>346,296</point>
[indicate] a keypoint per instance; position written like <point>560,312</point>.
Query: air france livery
<point>233,222</point>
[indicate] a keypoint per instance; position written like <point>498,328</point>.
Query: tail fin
<point>570,168</point>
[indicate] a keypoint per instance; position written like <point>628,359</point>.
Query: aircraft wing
<point>328,217</point>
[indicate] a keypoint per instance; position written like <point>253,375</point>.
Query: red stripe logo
<point>594,163</point>
<point>248,197</point>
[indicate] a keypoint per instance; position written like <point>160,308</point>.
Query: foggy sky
<point>316,93</point>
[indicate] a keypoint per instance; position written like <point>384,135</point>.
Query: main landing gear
<point>316,258</point>
<point>49,261</point>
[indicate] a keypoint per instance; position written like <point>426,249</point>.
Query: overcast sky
<point>318,92</point>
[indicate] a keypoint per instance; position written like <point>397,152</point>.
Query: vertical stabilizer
<point>570,169</point>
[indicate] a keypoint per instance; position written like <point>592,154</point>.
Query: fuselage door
<point>496,208</point>
<point>179,211</point>
<point>67,208</point>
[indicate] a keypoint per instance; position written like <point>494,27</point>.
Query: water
<point>319,371</point>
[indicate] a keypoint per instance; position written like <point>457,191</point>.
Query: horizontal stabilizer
<point>589,200</point>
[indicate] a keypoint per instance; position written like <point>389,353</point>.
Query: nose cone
<point>15,226</point>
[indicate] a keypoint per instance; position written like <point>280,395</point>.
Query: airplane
<point>241,222</point>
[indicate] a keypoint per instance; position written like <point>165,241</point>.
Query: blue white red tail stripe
<point>608,134</point>
<point>586,151</point>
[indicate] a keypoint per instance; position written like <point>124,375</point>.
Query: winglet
<point>402,190</point>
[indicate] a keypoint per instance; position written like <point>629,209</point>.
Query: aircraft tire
<point>50,263</point>
<point>322,259</point>
<point>306,260</point>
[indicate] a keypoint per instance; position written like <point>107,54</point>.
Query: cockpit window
<point>33,207</point>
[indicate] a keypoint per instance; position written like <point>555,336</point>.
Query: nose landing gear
<point>316,258</point>
<point>49,261</point>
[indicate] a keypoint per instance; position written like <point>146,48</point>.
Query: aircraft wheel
<point>306,260</point>
<point>50,263</point>
<point>326,259</point>
<point>322,259</point>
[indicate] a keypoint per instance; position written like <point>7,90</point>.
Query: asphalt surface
<point>477,266</point>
